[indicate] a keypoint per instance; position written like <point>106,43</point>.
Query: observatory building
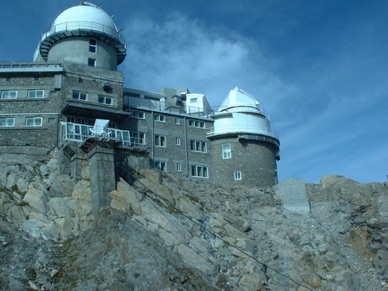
<point>72,97</point>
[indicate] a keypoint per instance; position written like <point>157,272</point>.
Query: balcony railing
<point>81,132</point>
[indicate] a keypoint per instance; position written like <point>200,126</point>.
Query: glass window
<point>196,123</point>
<point>9,94</point>
<point>35,93</point>
<point>161,165</point>
<point>80,95</point>
<point>199,171</point>
<point>177,120</point>
<point>160,141</point>
<point>93,46</point>
<point>34,121</point>
<point>105,100</point>
<point>7,122</point>
<point>159,117</point>
<point>226,151</point>
<point>137,114</point>
<point>178,141</point>
<point>198,146</point>
<point>137,138</point>
<point>91,62</point>
<point>237,175</point>
<point>178,167</point>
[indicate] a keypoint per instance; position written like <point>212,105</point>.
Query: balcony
<point>81,132</point>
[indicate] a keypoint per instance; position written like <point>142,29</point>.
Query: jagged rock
<point>36,196</point>
<point>126,198</point>
<point>61,186</point>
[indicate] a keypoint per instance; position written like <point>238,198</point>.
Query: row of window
<point>29,121</point>
<point>196,171</point>
<point>12,94</point>
<point>84,97</point>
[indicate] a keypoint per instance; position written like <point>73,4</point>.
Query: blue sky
<point>319,68</point>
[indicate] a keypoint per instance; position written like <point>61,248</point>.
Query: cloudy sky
<point>319,68</point>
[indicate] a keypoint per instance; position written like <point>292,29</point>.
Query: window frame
<point>93,46</point>
<point>198,146</point>
<point>6,121</point>
<point>92,62</point>
<point>198,171</point>
<point>226,152</point>
<point>103,100</point>
<point>178,167</point>
<point>137,138</point>
<point>159,117</point>
<point>160,141</point>
<point>34,123</point>
<point>9,93</point>
<point>137,114</point>
<point>197,123</point>
<point>78,94</point>
<point>35,91</point>
<point>178,141</point>
<point>161,165</point>
<point>237,175</point>
<point>178,120</point>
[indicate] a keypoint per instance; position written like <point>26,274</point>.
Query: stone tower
<point>83,34</point>
<point>244,148</point>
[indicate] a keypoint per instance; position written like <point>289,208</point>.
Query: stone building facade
<point>73,84</point>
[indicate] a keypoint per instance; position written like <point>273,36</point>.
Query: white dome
<point>238,98</point>
<point>85,15</point>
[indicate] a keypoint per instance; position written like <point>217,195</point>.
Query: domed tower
<point>83,34</point>
<point>244,148</point>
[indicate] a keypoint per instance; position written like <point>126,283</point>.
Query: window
<point>80,95</point>
<point>9,94</point>
<point>137,114</point>
<point>159,117</point>
<point>237,175</point>
<point>178,167</point>
<point>226,151</point>
<point>34,121</point>
<point>196,123</point>
<point>91,62</point>
<point>177,120</point>
<point>105,100</point>
<point>178,141</point>
<point>198,146</point>
<point>199,171</point>
<point>161,165</point>
<point>160,141</point>
<point>92,46</point>
<point>7,122</point>
<point>35,93</point>
<point>137,138</point>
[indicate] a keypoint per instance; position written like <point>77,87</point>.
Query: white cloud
<point>181,52</point>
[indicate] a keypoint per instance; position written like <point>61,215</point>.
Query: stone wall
<point>254,159</point>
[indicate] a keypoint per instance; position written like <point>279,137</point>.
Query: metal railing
<point>234,129</point>
<point>161,105</point>
<point>81,132</point>
<point>82,25</point>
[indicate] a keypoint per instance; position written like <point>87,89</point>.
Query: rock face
<point>161,233</point>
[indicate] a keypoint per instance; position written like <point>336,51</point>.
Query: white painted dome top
<point>85,15</point>
<point>85,19</point>
<point>238,98</point>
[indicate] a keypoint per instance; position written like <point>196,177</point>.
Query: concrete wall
<point>102,174</point>
<point>105,54</point>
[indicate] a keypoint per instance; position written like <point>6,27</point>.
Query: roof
<point>238,98</point>
<point>88,15</point>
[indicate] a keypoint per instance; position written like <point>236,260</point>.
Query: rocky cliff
<point>161,233</point>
